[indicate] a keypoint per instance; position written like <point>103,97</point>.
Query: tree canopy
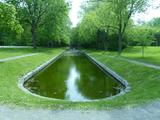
<point>8,18</point>
<point>110,19</point>
<point>44,22</point>
<point>104,24</point>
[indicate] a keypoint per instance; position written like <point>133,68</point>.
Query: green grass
<point>11,52</point>
<point>143,81</point>
<point>11,71</point>
<point>152,54</point>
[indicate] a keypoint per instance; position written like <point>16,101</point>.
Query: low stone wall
<point>113,74</point>
<point>24,78</point>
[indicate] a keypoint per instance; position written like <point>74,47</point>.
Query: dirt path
<point>149,112</point>
<point>17,57</point>
<point>16,47</point>
<point>138,62</point>
<point>142,63</point>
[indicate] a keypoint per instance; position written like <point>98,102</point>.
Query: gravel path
<point>149,112</point>
<point>138,62</point>
<point>16,47</point>
<point>142,63</point>
<point>17,57</point>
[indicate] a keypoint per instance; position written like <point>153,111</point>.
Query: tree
<point>56,26</point>
<point>155,22</point>
<point>35,10</point>
<point>8,23</point>
<point>123,10</point>
<point>94,28</point>
<point>38,13</point>
<point>110,17</point>
<point>8,17</point>
<point>142,35</point>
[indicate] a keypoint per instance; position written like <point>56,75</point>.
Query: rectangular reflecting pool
<point>73,77</point>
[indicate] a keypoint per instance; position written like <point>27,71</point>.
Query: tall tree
<point>36,12</point>
<point>123,10</point>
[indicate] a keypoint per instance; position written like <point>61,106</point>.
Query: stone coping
<point>121,80</point>
<point>109,71</point>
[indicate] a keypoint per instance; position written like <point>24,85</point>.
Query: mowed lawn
<point>144,82</point>
<point>11,71</point>
<point>12,52</point>
<point>151,54</point>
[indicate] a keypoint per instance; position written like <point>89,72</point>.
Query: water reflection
<point>72,89</point>
<point>73,77</point>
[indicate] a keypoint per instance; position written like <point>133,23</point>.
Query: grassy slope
<point>11,71</point>
<point>152,54</point>
<point>11,52</point>
<point>144,82</point>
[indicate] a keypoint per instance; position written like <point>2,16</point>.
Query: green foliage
<point>56,28</point>
<point>110,17</point>
<point>123,10</point>
<point>155,22</point>
<point>10,27</point>
<point>92,31</point>
<point>88,27</point>
<point>45,23</point>
<point>142,36</point>
<point>8,18</point>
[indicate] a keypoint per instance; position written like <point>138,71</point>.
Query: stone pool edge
<point>27,76</point>
<point>106,69</point>
<point>109,71</point>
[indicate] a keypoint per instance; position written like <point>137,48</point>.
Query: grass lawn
<point>152,54</point>
<point>11,52</point>
<point>143,81</point>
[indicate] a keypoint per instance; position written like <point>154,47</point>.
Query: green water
<point>73,77</point>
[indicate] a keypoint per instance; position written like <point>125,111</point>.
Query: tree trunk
<point>107,43</point>
<point>120,43</point>
<point>158,42</point>
<point>120,37</point>
<point>142,50</point>
<point>33,31</point>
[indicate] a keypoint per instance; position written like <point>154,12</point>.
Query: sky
<point>150,13</point>
<point>75,11</point>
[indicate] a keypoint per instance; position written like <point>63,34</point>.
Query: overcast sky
<point>74,11</point>
<point>151,12</point>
